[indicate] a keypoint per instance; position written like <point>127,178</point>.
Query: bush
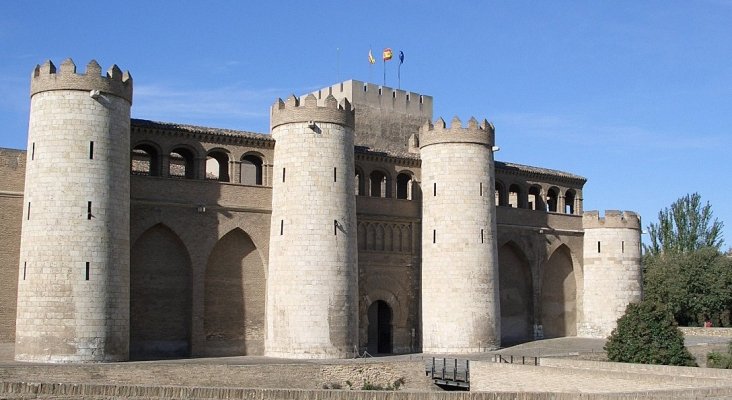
<point>720,360</point>
<point>648,334</point>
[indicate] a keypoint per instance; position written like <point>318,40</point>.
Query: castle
<point>359,223</point>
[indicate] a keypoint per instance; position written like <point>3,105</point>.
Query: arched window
<point>360,183</point>
<point>569,198</point>
<point>404,186</point>
<point>552,199</point>
<point>251,170</point>
<point>217,166</point>
<point>501,198</point>
<point>145,160</point>
<point>378,184</point>
<point>514,196</point>
<point>535,200</point>
<point>181,163</point>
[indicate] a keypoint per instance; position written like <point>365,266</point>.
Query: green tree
<point>647,334</point>
<point>684,227</point>
<point>692,285</point>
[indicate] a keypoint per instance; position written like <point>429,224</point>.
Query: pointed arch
<point>516,295</point>
<point>234,297</point>
<point>388,237</point>
<point>380,328</point>
<point>379,240</point>
<point>559,295</point>
<point>160,295</point>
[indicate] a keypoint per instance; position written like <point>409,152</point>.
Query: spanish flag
<point>372,60</point>
<point>387,54</point>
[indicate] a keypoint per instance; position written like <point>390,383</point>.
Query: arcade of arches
<point>161,300</point>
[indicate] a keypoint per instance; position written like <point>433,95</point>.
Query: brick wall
<point>12,171</point>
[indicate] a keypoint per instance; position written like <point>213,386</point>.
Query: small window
<point>91,150</point>
<point>335,174</point>
<point>86,275</point>
<point>283,174</point>
<point>88,210</point>
<point>434,189</point>
<point>33,150</point>
<point>28,216</point>
<point>622,246</point>
<point>598,246</point>
<point>335,227</point>
<point>282,227</point>
<point>481,236</point>
<point>481,189</point>
<point>434,236</point>
<point>24,268</point>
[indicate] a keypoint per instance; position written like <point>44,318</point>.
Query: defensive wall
<point>185,210</point>
<point>12,170</point>
<point>209,209</point>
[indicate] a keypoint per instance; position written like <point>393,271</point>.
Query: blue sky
<point>635,96</point>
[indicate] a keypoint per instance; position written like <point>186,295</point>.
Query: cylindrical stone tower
<point>312,286</point>
<point>73,285</point>
<point>460,302</point>
<point>612,270</point>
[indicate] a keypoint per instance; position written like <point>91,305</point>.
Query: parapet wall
<point>439,132</point>
<point>386,98</point>
<point>294,110</point>
<point>45,77</point>
<point>612,219</point>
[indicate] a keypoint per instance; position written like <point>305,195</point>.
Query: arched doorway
<point>380,328</point>
<point>559,295</point>
<point>160,296</point>
<point>234,298</point>
<point>516,296</point>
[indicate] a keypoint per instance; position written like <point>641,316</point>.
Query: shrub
<point>720,360</point>
<point>648,334</point>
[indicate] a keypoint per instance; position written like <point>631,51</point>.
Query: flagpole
<point>338,64</point>
<point>399,70</point>
<point>399,76</point>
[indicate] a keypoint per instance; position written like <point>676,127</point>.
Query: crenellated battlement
<point>295,109</point>
<point>46,77</point>
<point>612,219</point>
<point>382,97</point>
<point>438,132</point>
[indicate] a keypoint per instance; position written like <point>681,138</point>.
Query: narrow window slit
<point>88,210</point>
<point>335,227</point>
<point>25,264</point>
<point>434,189</point>
<point>91,150</point>
<point>283,174</point>
<point>481,189</point>
<point>434,236</point>
<point>335,174</point>
<point>28,216</point>
<point>481,236</point>
<point>282,227</point>
<point>86,276</point>
<point>598,246</point>
<point>622,246</point>
<point>33,150</point>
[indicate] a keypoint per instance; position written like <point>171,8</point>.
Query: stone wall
<point>460,305</point>
<point>612,269</point>
<point>12,169</point>
<point>74,295</point>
